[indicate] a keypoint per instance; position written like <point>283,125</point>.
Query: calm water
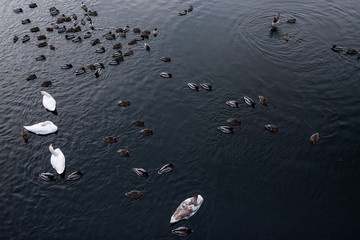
<point>255,184</point>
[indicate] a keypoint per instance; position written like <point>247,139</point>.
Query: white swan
<point>42,128</point>
<point>57,159</point>
<point>187,208</point>
<point>48,101</point>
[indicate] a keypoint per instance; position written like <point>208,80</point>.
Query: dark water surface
<point>255,184</point>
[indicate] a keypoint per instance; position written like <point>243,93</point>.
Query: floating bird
<point>63,29</point>
<point>52,47</point>
<point>15,38</point>
<point>110,139</point>
<point>25,21</point>
<point>136,30</point>
<point>42,44</point>
<point>291,20</point>
<point>141,172</point>
<point>117,54</point>
<point>249,101</point>
<point>99,65</point>
<point>42,128</point>
<point>41,37</point>
<point>74,16</point>
<point>147,47</point>
<point>25,38</point>
<point>182,231</point>
<point>48,101</point>
<point>286,37</point>
<point>40,58</point>
<point>84,7</point>
<point>190,8</point>
<point>132,42</point>
<point>263,101</point>
<point>182,13</point>
<point>69,36</point>
<point>48,177</point>
<point>233,121</point>
<point>117,46</point>
<point>206,86</point>
<point>271,128</point>
<point>100,50</point>
<point>155,32</point>
<point>134,194</point>
<point>138,123</point>
<point>49,29</point>
<point>80,71</point>
<point>193,86</point>
<point>97,73</point>
<point>165,59</point>
<point>352,52</point>
<point>32,5</point>
<point>166,168</point>
<point>93,13</point>
<point>187,208</point>
<point>18,10</point>
<point>122,35</point>
<point>126,29</point>
<point>314,138</point>
<point>78,39</point>
<point>166,75</point>
<point>124,153</point>
<point>57,159</point>
<point>66,66</point>
<point>91,66</point>
<point>124,103</point>
<point>87,35</point>
<point>128,52</point>
<point>75,176</point>
<point>46,84</point>
<point>233,103</point>
<point>146,132</point>
<point>226,129</point>
<point>25,135</point>
<point>275,22</point>
<point>31,77</point>
<point>94,42</point>
<point>82,21</point>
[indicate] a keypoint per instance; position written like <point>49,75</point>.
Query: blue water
<point>255,184</point>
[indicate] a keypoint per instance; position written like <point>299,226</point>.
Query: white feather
<point>57,159</point>
<point>48,101</point>
<point>42,128</point>
<point>186,209</point>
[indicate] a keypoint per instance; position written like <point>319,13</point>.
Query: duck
<point>60,20</point>
<point>275,22</point>
<point>25,38</point>
<point>82,21</point>
<point>114,62</point>
<point>84,7</point>
<point>42,44</point>
<point>190,8</point>
<point>91,66</point>
<point>134,194</point>
<point>78,39</point>
<point>67,19</point>
<point>18,10</point>
<point>75,176</point>
<point>147,47</point>
<point>46,84</point>
<point>110,139</point>
<point>193,86</point>
<point>124,153</point>
<point>48,101</point>
<point>48,177</point>
<point>146,132</point>
<point>206,86</point>
<point>233,121</point>
<point>286,37</point>
<point>25,21</point>
<point>99,65</point>
<point>155,32</point>
<point>31,77</point>
<point>63,29</point>
<point>77,29</point>
<point>226,129</point>
<point>271,128</point>
<point>233,103</point>
<point>93,13</point>
<point>141,172</point>
<point>165,59</point>
<point>132,42</point>
<point>124,103</point>
<point>249,101</point>
<point>80,71</point>
<point>126,29</point>
<point>52,47</point>
<point>314,138</point>
<point>117,54</point>
<point>42,128</point>
<point>144,35</point>
<point>263,101</point>
<point>117,46</point>
<point>123,35</point>
<point>25,135</point>
<point>94,42</point>
<point>100,50</point>
<point>119,59</point>
<point>128,52</point>
<point>57,159</point>
<point>351,52</point>
<point>87,17</point>
<point>66,66</point>
<point>187,208</point>
<point>97,73</point>
<point>110,36</point>
<point>35,29</point>
<point>87,35</point>
<point>138,123</point>
<point>291,20</point>
<point>146,32</point>
<point>136,30</point>
<point>41,37</point>
<point>40,58</point>
<point>70,30</point>
<point>15,39</point>
<point>54,12</point>
<point>49,29</point>
<point>166,168</point>
<point>182,13</point>
<point>74,16</point>
<point>32,5</point>
<point>182,231</point>
<point>69,36</point>
<point>166,75</point>
<point>119,30</point>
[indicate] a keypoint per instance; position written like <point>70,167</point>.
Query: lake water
<point>255,184</point>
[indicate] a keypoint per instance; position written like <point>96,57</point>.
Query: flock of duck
<point>57,159</point>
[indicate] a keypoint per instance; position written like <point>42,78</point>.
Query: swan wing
<point>49,103</point>
<point>58,161</point>
<point>42,128</point>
